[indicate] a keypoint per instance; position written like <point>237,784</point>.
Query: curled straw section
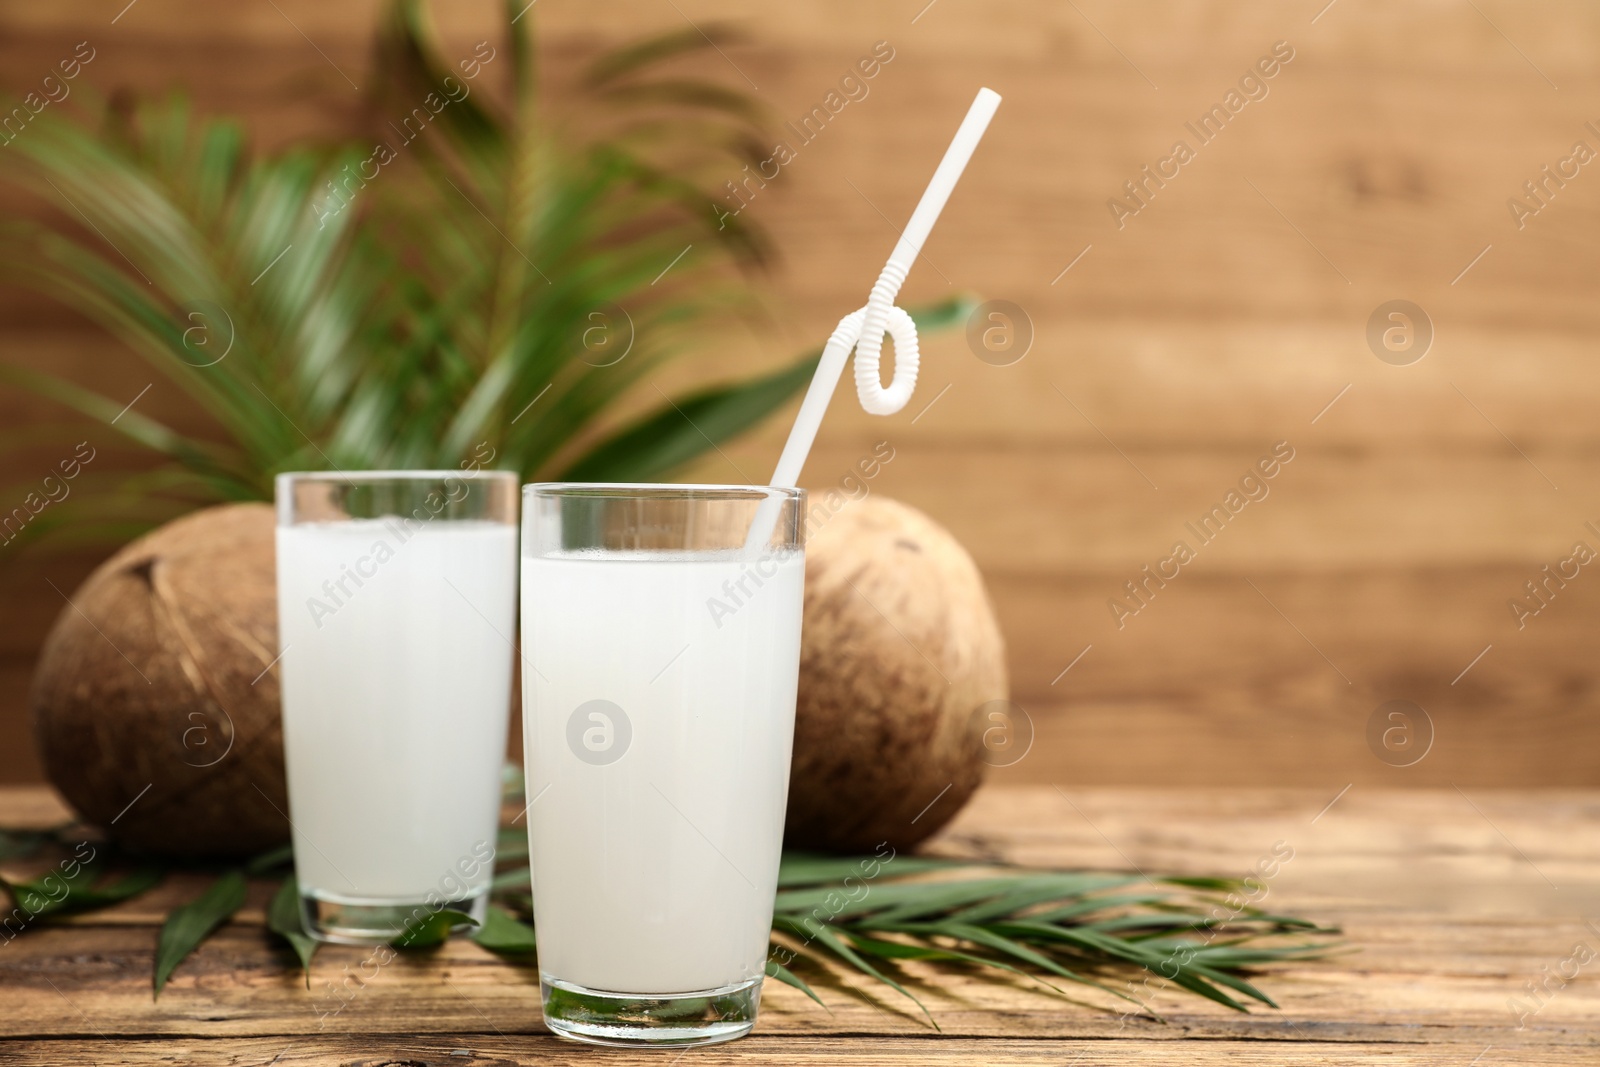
<point>863,330</point>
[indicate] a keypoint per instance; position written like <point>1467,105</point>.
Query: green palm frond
<point>1080,926</point>
<point>456,282</point>
<point>1123,934</point>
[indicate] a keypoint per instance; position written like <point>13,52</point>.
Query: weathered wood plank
<point>424,1050</point>
<point>1076,509</point>
<point>1210,683</point>
<point>1402,981</point>
<point>31,807</point>
<point>1443,898</point>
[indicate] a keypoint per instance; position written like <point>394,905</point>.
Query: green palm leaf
<point>338,307</point>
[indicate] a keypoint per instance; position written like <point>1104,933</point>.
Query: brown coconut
<point>900,651</point>
<point>155,710</point>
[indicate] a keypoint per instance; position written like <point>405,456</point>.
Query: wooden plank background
<point>1224,317</point>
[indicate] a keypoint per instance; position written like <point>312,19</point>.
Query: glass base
<point>595,1017</point>
<point>348,922</point>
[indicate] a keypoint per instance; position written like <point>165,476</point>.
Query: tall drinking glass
<point>396,616</point>
<point>661,645</point>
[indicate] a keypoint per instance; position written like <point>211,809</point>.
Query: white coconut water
<point>396,678</point>
<point>658,703</point>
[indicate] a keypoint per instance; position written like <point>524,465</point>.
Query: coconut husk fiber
<point>900,650</point>
<point>154,707</point>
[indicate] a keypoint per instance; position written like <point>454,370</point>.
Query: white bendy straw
<point>862,330</point>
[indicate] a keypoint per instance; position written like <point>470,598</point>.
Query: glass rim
<point>661,490</point>
<point>389,476</point>
<point>303,498</point>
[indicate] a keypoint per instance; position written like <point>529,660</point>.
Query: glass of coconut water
<point>661,649</point>
<point>396,617</point>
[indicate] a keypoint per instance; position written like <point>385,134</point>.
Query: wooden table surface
<point>1450,901</point>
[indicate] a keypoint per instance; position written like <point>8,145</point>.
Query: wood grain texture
<point>1222,317</point>
<point>423,1050</point>
<point>1448,901</point>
